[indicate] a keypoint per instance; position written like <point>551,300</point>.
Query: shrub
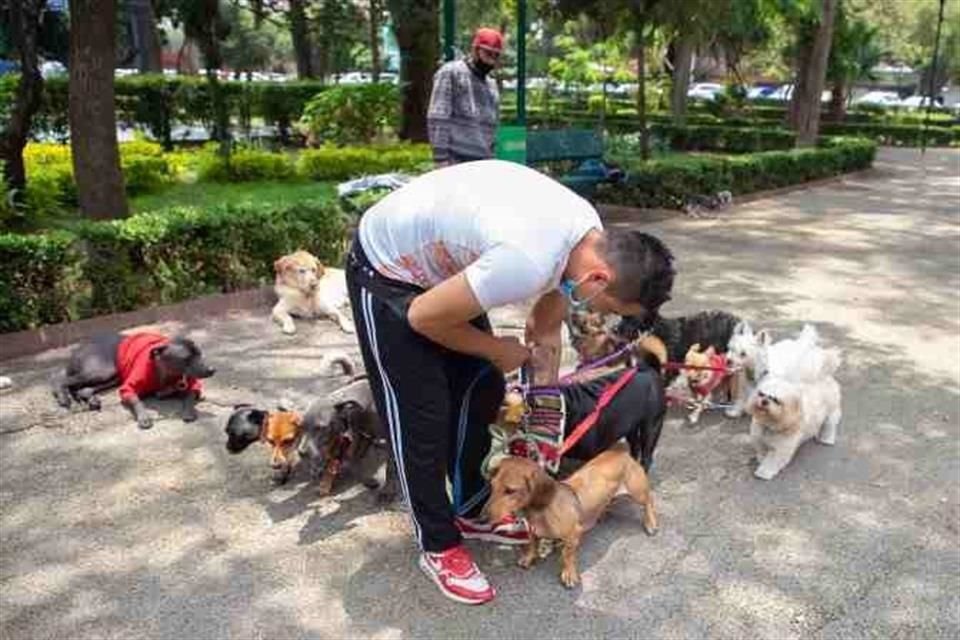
<point>354,114</point>
<point>724,138</point>
<point>155,258</point>
<point>38,280</point>
<point>343,163</point>
<point>669,182</point>
<point>900,135</point>
<point>245,165</point>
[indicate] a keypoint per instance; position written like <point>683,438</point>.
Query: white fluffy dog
<point>755,355</point>
<point>793,403</point>
<point>306,289</point>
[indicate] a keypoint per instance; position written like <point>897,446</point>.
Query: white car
<point>704,90</point>
<point>881,98</point>
<point>918,102</point>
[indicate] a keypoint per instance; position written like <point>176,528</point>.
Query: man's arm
<point>443,315</point>
<point>543,336</point>
<point>438,116</point>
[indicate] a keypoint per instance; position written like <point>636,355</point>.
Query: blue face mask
<point>568,286</point>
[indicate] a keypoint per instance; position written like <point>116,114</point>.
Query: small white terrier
<point>790,407</point>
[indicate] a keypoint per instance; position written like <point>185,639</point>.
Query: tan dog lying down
<point>306,289</point>
<point>566,510</point>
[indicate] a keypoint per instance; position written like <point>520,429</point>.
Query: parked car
<point>880,98</point>
<point>704,90</point>
<point>920,102</point>
<point>760,92</point>
<point>52,68</point>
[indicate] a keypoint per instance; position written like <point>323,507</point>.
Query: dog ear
<point>318,266</point>
<point>710,352</point>
<point>281,264</point>
<point>541,488</point>
<point>694,349</point>
<point>743,328</point>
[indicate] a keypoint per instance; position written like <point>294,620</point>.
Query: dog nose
<point>764,402</point>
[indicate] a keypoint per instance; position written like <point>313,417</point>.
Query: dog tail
<point>346,364</point>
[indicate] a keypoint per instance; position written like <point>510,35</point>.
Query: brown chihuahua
<point>566,510</point>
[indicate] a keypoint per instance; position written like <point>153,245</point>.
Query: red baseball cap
<point>488,39</point>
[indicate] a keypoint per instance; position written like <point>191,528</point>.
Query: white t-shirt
<point>508,227</point>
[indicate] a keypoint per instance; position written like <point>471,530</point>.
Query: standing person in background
<point>465,106</point>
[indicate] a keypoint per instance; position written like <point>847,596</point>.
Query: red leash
<point>587,423</point>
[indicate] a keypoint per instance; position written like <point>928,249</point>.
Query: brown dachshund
<point>566,510</point>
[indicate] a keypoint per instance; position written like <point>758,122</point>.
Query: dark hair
<point>642,266</point>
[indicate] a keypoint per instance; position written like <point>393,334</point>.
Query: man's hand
<point>543,336</point>
<point>511,354</point>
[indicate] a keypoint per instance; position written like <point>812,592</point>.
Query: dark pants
<point>436,404</point>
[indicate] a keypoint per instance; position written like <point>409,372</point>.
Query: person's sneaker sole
<point>494,537</point>
<point>436,580</point>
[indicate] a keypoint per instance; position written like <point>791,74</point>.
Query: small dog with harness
<point>566,510</point>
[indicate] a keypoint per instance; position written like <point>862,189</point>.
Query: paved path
<point>107,532</point>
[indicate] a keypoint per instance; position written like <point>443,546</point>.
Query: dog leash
<point>605,398</point>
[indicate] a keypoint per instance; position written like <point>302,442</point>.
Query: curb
<point>55,336</point>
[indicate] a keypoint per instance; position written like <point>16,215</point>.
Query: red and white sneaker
<point>509,530</point>
<point>457,575</point>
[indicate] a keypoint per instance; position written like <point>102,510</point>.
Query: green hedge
<point>343,163</point>
<point>897,135</point>
<point>155,258</point>
<point>722,138</point>
<point>155,102</point>
<point>669,182</point>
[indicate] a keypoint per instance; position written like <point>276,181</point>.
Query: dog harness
<point>718,371</point>
<point>540,436</point>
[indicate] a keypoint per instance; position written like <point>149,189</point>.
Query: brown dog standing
<point>566,510</point>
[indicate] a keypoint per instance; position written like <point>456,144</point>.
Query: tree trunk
<point>417,26</point>
<point>838,101</point>
<point>93,122</point>
<point>811,76</point>
<point>376,13</point>
<point>640,27</point>
<point>683,56</point>
<point>24,19</point>
<point>213,60</point>
<point>300,34</point>
<point>146,40</point>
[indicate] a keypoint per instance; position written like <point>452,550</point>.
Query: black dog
<point>708,328</point>
<point>636,412</point>
<point>142,364</point>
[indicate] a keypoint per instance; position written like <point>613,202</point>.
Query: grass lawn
<point>209,194</point>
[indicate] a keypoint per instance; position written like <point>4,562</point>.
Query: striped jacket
<point>463,114</point>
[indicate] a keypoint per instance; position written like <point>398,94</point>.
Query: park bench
<point>582,147</point>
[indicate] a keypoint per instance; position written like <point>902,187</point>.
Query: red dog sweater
<point>138,376</point>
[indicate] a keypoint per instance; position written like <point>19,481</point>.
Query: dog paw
<point>733,412</point>
<point>280,476</point>
<point>370,483</point>
<point>765,473</point>
<point>189,416</point>
<point>570,578</point>
<point>93,404</point>
<point>145,422</point>
<point>827,441</point>
<point>526,560</point>
<point>289,329</point>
